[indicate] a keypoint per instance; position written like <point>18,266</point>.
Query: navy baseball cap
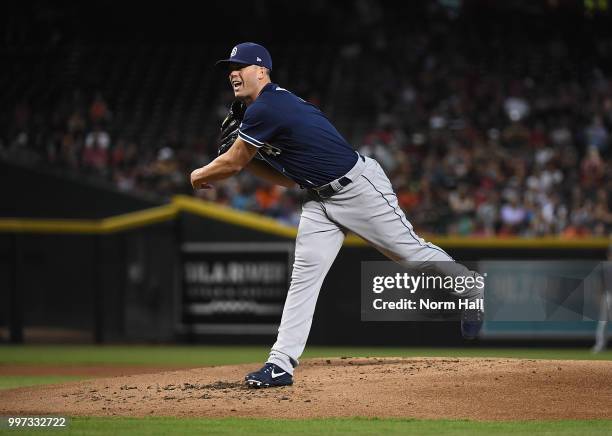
<point>249,53</point>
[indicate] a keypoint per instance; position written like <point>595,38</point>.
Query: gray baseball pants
<point>368,207</point>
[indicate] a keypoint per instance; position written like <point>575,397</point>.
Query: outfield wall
<point>82,261</point>
<point>124,278</point>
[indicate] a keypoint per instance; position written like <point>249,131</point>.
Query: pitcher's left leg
<point>378,218</point>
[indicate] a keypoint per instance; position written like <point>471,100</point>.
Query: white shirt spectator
<point>516,108</point>
<point>98,136</point>
<point>512,214</point>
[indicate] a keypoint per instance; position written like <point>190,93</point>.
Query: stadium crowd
<point>474,143</point>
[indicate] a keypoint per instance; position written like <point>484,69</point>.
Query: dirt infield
<point>479,389</point>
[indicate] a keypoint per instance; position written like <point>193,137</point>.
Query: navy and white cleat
<point>471,323</point>
<point>269,376</point>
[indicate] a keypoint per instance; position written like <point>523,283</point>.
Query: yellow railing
<point>183,203</point>
<point>106,225</point>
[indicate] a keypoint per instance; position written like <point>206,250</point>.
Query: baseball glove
<point>230,125</point>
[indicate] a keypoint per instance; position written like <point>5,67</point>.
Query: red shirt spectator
<point>98,111</point>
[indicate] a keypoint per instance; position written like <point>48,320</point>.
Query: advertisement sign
<point>234,288</point>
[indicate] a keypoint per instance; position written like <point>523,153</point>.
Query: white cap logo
<point>258,59</point>
<point>234,51</point>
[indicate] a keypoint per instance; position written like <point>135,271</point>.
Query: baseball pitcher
<point>290,142</point>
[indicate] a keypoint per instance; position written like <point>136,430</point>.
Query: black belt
<point>328,190</point>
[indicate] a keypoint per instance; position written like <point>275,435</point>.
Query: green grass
<point>224,355</point>
<point>16,381</point>
<point>348,426</point>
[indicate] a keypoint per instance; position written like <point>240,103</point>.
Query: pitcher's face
<point>245,80</point>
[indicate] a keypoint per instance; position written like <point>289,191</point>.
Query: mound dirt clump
<point>479,389</point>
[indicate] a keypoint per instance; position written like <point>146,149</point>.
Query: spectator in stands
<point>596,134</point>
<point>268,198</point>
<point>243,198</point>
<point>165,172</point>
<point>513,216</point>
<point>487,214</point>
<point>117,155</point>
<point>70,151</point>
<point>76,123</point>
<point>581,220</point>
<point>592,169</point>
<point>601,211</point>
<point>474,142</point>
<point>98,111</point>
<point>95,156</point>
<point>99,137</point>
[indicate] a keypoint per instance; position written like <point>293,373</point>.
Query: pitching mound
<point>479,389</point>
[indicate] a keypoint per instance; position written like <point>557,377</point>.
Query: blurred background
<point>491,118</point>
